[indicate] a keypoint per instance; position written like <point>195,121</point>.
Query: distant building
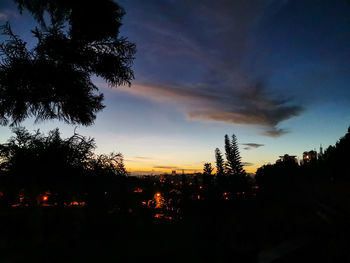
<point>173,172</point>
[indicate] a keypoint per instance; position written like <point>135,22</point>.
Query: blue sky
<point>272,72</point>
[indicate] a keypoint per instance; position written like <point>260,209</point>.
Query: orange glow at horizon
<point>151,169</point>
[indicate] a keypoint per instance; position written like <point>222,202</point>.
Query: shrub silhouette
<point>35,163</point>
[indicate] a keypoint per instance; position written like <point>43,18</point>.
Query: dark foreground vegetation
<point>61,202</point>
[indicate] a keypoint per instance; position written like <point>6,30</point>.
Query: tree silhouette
<point>208,180</point>
<point>220,170</point>
<point>233,164</point>
<point>335,159</point>
<point>228,154</point>
<point>280,181</point>
<point>78,39</point>
<point>207,169</point>
<point>236,175</point>
<point>35,163</point>
<point>219,162</point>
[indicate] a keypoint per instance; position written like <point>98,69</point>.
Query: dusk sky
<point>274,73</point>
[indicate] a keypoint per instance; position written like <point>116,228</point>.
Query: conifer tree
<point>219,162</point>
<point>233,164</point>
<point>228,154</point>
<point>207,176</point>
<point>235,158</point>
<point>207,169</point>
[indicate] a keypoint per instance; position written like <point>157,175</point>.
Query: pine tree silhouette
<point>219,163</point>
<point>233,164</point>
<point>235,173</point>
<point>74,41</point>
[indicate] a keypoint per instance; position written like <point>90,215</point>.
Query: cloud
<point>143,158</point>
<point>3,16</point>
<point>139,159</point>
<point>244,105</point>
<point>7,14</point>
<point>275,132</point>
<point>166,167</point>
<point>251,145</point>
<point>247,164</point>
<point>203,61</point>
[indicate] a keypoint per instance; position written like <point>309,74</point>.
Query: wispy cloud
<point>245,105</point>
<point>250,146</point>
<point>143,158</point>
<point>275,132</point>
<point>3,16</point>
<point>247,164</point>
<point>7,14</point>
<point>202,61</point>
<point>166,167</point>
<point>139,159</point>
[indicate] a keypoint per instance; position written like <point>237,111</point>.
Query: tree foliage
<point>219,162</point>
<point>336,159</point>
<point>230,173</point>
<point>233,159</point>
<point>35,163</point>
<point>286,180</point>
<point>207,169</point>
<point>76,40</point>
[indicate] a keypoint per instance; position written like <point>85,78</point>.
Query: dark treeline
<point>58,193</point>
<point>286,179</point>
<point>35,165</point>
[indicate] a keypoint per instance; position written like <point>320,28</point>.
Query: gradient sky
<point>275,73</point>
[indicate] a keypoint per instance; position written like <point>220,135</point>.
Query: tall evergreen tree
<point>228,154</point>
<point>235,158</point>
<point>221,178</point>
<point>234,169</point>
<point>233,164</point>
<point>208,180</point>
<point>219,162</point>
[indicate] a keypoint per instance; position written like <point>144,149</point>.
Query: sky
<point>273,72</point>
